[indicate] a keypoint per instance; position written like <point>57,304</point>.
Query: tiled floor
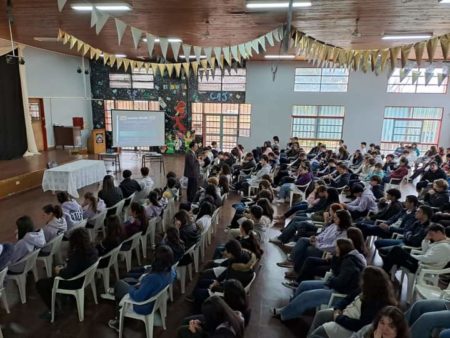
<point>24,320</point>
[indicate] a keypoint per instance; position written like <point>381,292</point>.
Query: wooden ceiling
<point>227,22</point>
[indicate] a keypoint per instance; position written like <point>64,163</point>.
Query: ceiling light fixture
<point>444,1</point>
<point>109,7</point>
<point>170,40</point>
<point>120,56</point>
<point>286,57</point>
<point>276,5</point>
<point>192,57</point>
<point>45,39</point>
<point>416,36</point>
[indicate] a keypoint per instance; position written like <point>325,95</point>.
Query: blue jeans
<point>301,206</point>
<point>285,189</point>
<point>383,243</point>
<point>301,251</point>
<point>426,315</point>
<point>445,334</point>
<point>308,295</point>
<point>291,229</point>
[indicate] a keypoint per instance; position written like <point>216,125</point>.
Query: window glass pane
<point>407,86</point>
<point>321,80</point>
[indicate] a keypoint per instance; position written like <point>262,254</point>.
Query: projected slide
<point>137,128</point>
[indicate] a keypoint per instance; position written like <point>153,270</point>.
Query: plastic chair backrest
<point>81,224</point>
<point>215,216</point>
<point>153,299</point>
<point>113,254</point>
<point>151,224</point>
<point>54,244</point>
<point>118,207</point>
<point>3,275</point>
<point>99,219</point>
<point>29,261</point>
<point>134,240</point>
<point>249,285</point>
<point>87,274</point>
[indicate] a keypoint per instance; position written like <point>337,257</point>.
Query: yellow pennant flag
<point>162,68</point>
<point>139,64</point>
<point>119,62</point>
<point>444,40</point>
<point>418,50</point>
<point>92,53</point>
<point>73,41</point>
<point>154,68</point>
<point>112,60</point>
<point>177,69</point>
<point>394,56</point>
<point>97,54</point>
<point>365,61</point>
<point>194,65</point>
<point>126,64</point>
<point>373,59</point>
<point>356,60</point>
<point>186,66</point>
<point>384,58</point>
<point>431,48</point>
<point>147,66</point>
<point>169,67</point>
<point>60,35</point>
<point>79,45</point>
<point>105,58</point>
<point>66,38</point>
<point>204,64</point>
<point>406,50</point>
<point>86,48</point>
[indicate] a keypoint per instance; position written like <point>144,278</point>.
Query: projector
<point>14,59</point>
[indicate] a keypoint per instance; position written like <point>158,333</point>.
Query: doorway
<point>36,108</point>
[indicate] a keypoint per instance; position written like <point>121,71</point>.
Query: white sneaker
<point>279,200</point>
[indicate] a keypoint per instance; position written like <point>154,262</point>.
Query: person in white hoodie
<point>55,223</point>
<point>73,212</point>
<point>29,240</point>
<point>92,205</point>
<point>146,184</point>
<point>363,203</point>
<point>435,252</point>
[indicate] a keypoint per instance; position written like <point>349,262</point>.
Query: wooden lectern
<point>97,141</point>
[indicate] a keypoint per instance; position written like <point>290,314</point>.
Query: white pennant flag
<point>208,52</point>
<point>150,43</point>
<point>226,54</point>
<point>262,42</point>
<point>429,72</point>
<point>217,53</point>
<point>94,17</point>
<point>441,77</point>
<point>234,52</point>
<point>164,44</point>
<point>102,18</point>
<point>255,46</point>
<point>415,76</point>
<point>136,33</point>
<point>248,48</point>
<point>269,37</point>
<point>242,50</point>
<point>61,4</point>
<point>121,27</point>
<point>176,49</point>
<point>275,35</point>
<point>186,51</point>
<point>197,52</point>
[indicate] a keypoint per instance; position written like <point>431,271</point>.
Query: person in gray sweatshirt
<point>73,212</point>
<point>55,223</point>
<point>29,240</point>
<point>364,202</point>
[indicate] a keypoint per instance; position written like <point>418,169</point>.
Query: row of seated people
<point>341,245</point>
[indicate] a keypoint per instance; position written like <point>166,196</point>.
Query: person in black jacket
<point>376,187</point>
<point>356,310</point>
<point>82,254</point>
<point>192,171</point>
<point>128,185</point>
<point>390,210</point>
<point>110,194</point>
<point>346,267</point>
<point>437,197</point>
<point>432,174</point>
<point>343,177</point>
<point>112,239</point>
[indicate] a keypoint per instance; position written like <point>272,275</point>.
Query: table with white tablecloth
<point>72,176</point>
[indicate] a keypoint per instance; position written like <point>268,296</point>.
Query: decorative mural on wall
<point>175,96</point>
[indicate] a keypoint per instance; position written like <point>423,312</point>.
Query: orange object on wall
<point>78,122</point>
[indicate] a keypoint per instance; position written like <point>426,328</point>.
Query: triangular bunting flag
<point>94,17</point>
<point>147,67</point>
<point>60,35</point>
<point>119,63</point>
<point>197,52</point>
<point>98,52</point>
<point>262,42</point>
<point>444,46</point>
<point>92,53</point>
<point>204,64</point>
<point>169,67</point>
<point>164,44</point>
<point>194,67</point>
<point>112,60</point>
<point>255,46</point>
<point>73,41</point>
<point>429,72</point>
<point>126,64</point>
<point>217,52</point>
<point>61,4</point>
<point>177,69</point>
<point>431,48</point>
<point>79,45</point>
<point>175,49</point>
<point>394,56</point>
<point>248,48</point>
<point>136,33</point>
<point>226,54</point>
<point>404,72</point>
<point>405,54</point>
<point>208,52</point>
<point>269,37</point>
<point>139,64</point>
<point>154,68</point>
<point>86,48</point>
<point>150,44</point>
<point>280,32</point>
<point>186,51</point>
<point>418,50</point>
<point>276,36</point>
<point>161,67</point>
<point>186,68</point>
<point>120,27</point>
<point>384,57</point>
<point>442,76</point>
<point>105,58</point>
<point>242,50</point>
<point>234,52</point>
<point>415,74</point>
<point>221,61</point>
<point>102,18</point>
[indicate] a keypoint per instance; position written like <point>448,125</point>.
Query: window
<point>138,79</point>
<point>410,124</point>
<point>222,81</point>
<point>221,122</point>
<point>321,80</point>
<point>406,86</point>
<point>126,105</point>
<point>313,124</point>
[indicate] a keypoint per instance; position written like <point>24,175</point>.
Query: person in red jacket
<point>398,173</point>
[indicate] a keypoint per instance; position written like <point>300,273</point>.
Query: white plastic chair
<point>126,206</point>
<point>427,284</point>
<point>182,269</point>
<point>203,242</point>
<point>118,208</point>
<point>249,285</point>
<point>105,272</point>
<point>166,219</point>
<point>214,221</point>
<point>2,289</point>
<point>134,240</point>
<point>127,311</point>
<point>170,208</point>
<point>298,190</point>
<point>29,264</point>
<point>98,221</point>
<point>174,268</point>
<point>88,276</point>
<point>149,232</point>
<point>54,247</point>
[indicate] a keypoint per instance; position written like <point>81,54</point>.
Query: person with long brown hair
<point>357,309</point>
<point>390,322</point>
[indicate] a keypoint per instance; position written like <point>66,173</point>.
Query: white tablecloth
<point>72,176</point>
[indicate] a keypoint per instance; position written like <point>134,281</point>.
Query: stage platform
<point>26,173</point>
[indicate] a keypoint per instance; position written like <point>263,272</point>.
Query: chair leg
<point>116,270</point>
<point>171,292</point>
<point>128,260</point>
<point>183,279</point>
<point>94,289</point>
<point>53,306</point>
<point>149,322</point>
<point>79,297</point>
<point>138,255</point>
<point>49,265</point>
<point>189,267</point>
<point>144,247</point>
<point>121,322</point>
<point>5,301</point>
<point>105,277</point>
<point>21,285</point>
<point>291,198</point>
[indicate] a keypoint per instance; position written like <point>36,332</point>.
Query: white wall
<point>54,77</point>
<point>272,103</point>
